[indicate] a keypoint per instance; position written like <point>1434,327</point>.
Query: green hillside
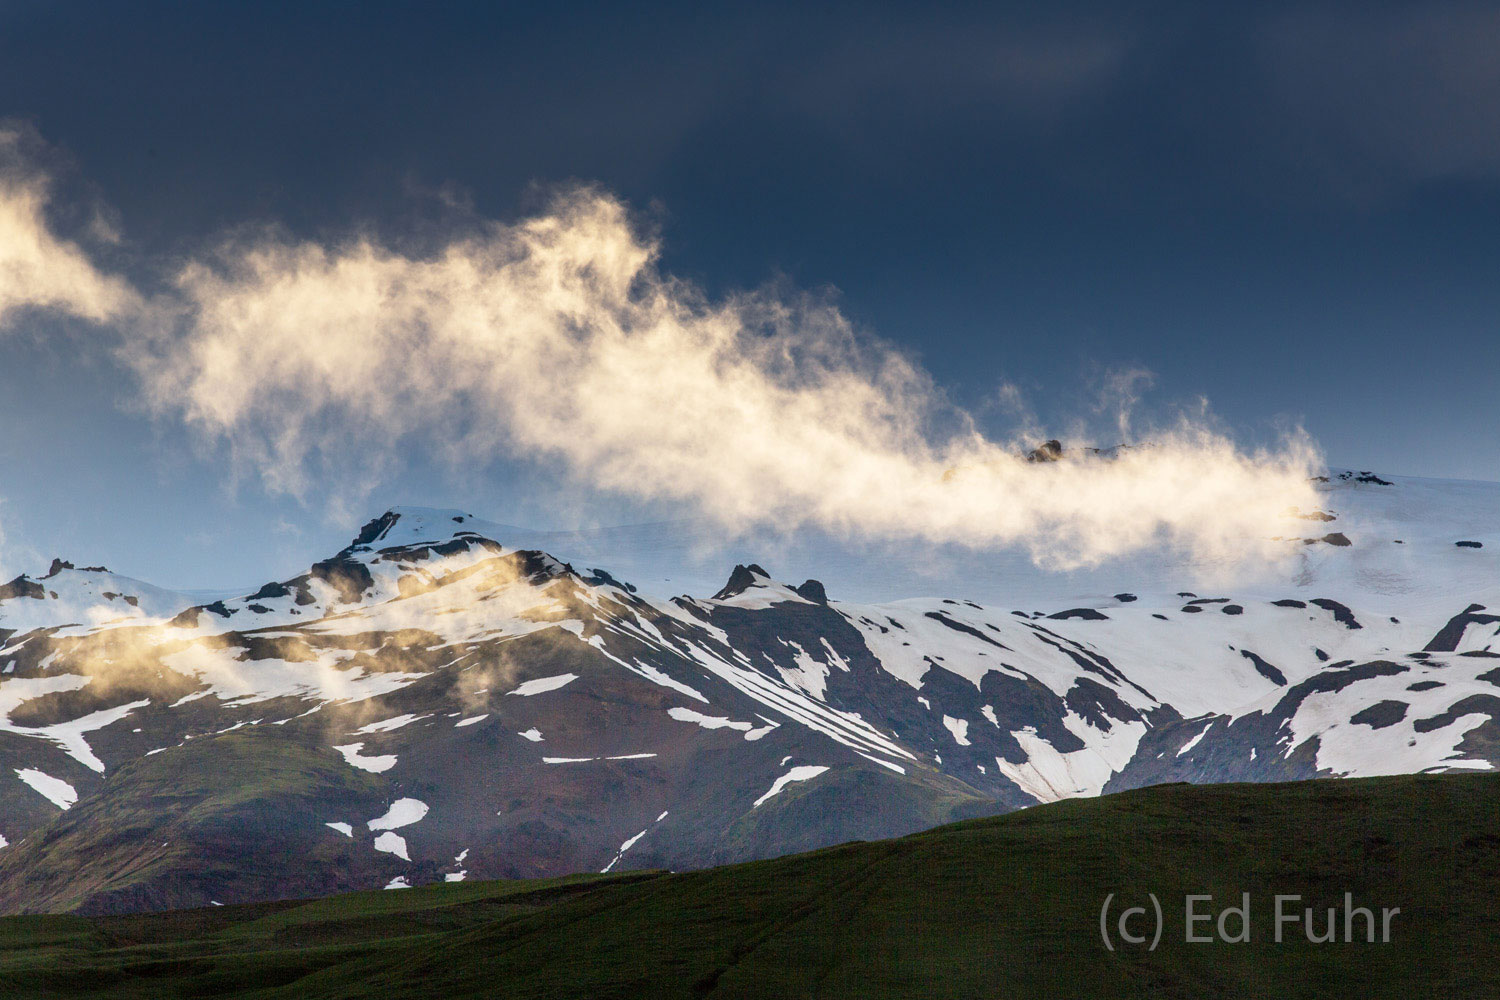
<point>1002,907</point>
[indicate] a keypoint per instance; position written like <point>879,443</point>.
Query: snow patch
<point>403,812</point>
<point>809,675</point>
<point>543,684</point>
<point>1194,741</point>
<point>708,721</point>
<point>804,772</point>
<point>54,790</point>
<point>1048,774</point>
<point>959,728</point>
<point>883,763</point>
<point>67,735</point>
<point>386,725</point>
<point>631,842</point>
<point>375,765</point>
<point>392,843</point>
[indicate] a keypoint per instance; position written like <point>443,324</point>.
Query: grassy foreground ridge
<point>1001,907</point>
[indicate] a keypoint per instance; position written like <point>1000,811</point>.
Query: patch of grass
<point>1001,907</point>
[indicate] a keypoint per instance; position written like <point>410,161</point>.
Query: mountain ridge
<point>549,719</point>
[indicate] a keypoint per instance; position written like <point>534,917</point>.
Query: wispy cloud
<point>560,339</point>
<point>38,269</point>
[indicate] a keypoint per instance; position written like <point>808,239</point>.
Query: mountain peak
<point>414,525</point>
<point>58,565</point>
<point>751,587</point>
<point>741,580</point>
<point>813,591</point>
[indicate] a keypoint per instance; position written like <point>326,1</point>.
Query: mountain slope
<point>450,707</point>
<point>1007,906</point>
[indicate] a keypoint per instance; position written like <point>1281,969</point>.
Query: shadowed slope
<point>1004,906</point>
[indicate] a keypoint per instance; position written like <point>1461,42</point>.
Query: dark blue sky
<point>1291,210</point>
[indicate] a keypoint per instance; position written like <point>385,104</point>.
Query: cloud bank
<point>559,339</point>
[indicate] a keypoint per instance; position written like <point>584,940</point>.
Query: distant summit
<point>741,580</point>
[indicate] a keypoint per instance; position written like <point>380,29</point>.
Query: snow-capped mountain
<point>437,701</point>
<point>86,595</point>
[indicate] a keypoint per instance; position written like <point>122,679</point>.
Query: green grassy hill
<point>1003,907</point>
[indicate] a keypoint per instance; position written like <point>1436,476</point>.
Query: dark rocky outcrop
<point>1047,451</point>
<point>22,586</point>
<point>1451,634</point>
<point>1381,714</point>
<point>813,591</point>
<point>741,580</point>
<point>1086,614</point>
<point>1341,614</point>
<point>1265,669</point>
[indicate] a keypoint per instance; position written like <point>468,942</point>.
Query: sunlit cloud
<point>39,270</point>
<point>559,339</point>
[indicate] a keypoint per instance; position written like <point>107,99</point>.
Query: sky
<point>1291,211</point>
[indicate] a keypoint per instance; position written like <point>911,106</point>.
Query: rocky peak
<point>741,580</point>
<point>813,591</point>
<point>22,586</point>
<point>58,565</point>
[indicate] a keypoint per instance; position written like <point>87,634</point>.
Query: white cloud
<point>559,339</point>
<point>38,270</point>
